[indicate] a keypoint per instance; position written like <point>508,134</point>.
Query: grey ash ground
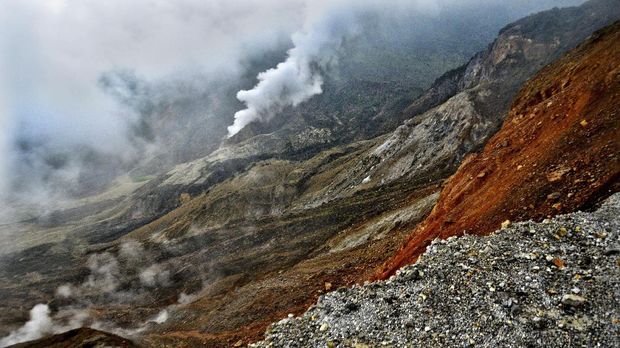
<point>552,284</point>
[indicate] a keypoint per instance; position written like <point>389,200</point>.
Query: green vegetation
<point>142,178</point>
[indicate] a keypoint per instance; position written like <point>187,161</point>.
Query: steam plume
<point>299,77</point>
<point>40,324</point>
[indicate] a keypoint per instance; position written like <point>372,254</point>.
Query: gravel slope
<point>553,284</point>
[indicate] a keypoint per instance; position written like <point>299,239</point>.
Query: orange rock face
<point>558,151</point>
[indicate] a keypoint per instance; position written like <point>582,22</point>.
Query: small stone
<point>351,306</point>
<point>612,250</point>
<point>482,175</point>
<point>573,300</point>
<point>324,327</point>
<point>559,263</point>
<point>328,286</point>
<point>505,224</point>
<point>601,235</point>
<point>583,123</point>
<point>562,232</point>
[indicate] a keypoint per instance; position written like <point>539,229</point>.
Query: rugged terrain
<point>558,151</point>
<point>82,337</point>
<point>552,284</point>
<point>281,213</point>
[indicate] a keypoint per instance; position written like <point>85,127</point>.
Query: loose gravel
<point>552,284</point>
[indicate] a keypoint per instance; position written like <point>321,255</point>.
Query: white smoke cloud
<point>155,275</point>
<point>64,291</point>
<point>131,252</point>
<point>297,78</point>
<point>104,272</point>
<point>54,53</point>
<point>4,128</point>
<point>186,299</point>
<point>40,324</point>
<point>161,317</point>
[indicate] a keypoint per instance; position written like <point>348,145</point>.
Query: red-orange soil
<point>558,151</point>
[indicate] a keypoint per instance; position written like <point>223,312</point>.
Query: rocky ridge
<point>554,283</point>
<point>82,337</point>
<point>556,152</point>
<point>466,106</point>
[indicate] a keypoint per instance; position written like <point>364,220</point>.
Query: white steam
<point>104,272</point>
<point>299,77</point>
<point>109,273</point>
<point>64,291</point>
<point>40,324</point>
<point>154,276</point>
<point>186,299</point>
<point>161,317</point>
<point>54,53</point>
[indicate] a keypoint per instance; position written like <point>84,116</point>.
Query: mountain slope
<point>520,287</point>
<point>557,151</point>
<point>264,225</point>
<point>468,105</point>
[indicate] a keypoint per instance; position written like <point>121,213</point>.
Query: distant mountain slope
<point>468,105</point>
<point>430,145</point>
<point>558,151</point>
<point>522,48</point>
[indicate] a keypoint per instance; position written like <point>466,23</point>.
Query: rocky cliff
<point>556,152</point>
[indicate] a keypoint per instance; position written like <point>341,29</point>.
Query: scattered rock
<point>573,300</point>
<point>505,224</point>
<point>558,262</point>
<point>445,300</point>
